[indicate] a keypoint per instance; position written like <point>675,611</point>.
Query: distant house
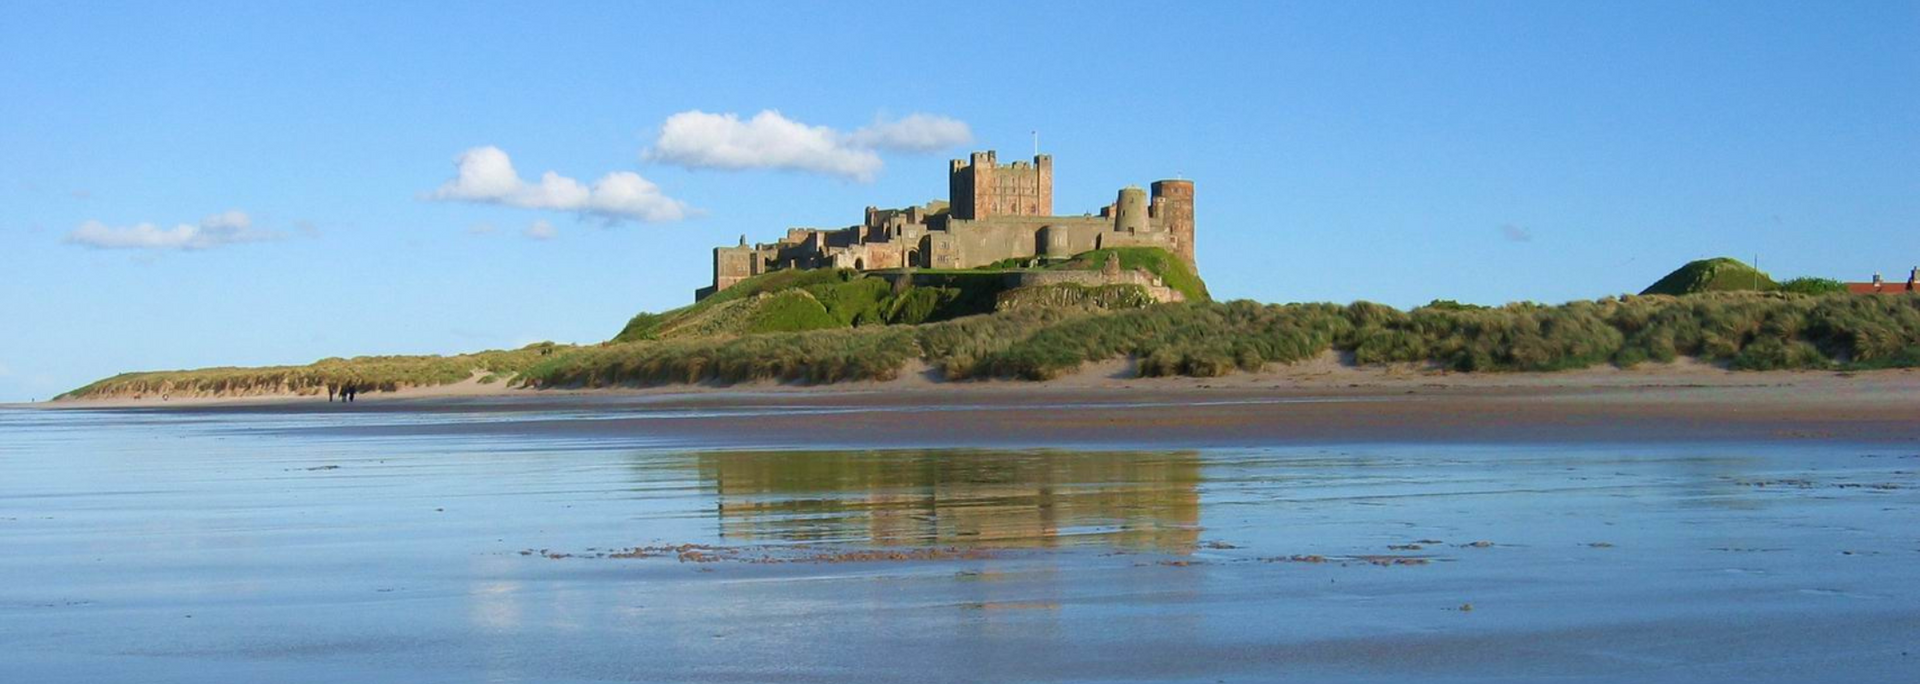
<point>1881,286</point>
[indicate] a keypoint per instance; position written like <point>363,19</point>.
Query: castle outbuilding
<point>994,212</point>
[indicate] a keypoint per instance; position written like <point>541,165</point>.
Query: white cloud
<point>922,133</point>
<point>699,140</point>
<point>225,228</point>
<point>486,175</point>
<point>541,230</point>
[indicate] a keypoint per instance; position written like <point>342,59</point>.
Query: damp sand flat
<point>574,542</point>
<point>1552,408</point>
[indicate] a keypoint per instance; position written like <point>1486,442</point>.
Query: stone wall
<point>983,242</point>
<point>1109,297</point>
<point>1010,280</point>
<point>1148,281</point>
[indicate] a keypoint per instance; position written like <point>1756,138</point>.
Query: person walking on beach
<point>330,390</point>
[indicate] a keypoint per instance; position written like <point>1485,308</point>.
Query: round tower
<point>1054,243</point>
<point>1175,198</point>
<point>1130,211</point>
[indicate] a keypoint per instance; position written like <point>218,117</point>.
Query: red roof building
<point>1881,286</point>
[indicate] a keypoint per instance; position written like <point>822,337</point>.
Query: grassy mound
<point>1160,262</point>
<point>711,315</point>
<point>1712,275</point>
<point>790,311</point>
<point>818,299</point>
<point>800,300</point>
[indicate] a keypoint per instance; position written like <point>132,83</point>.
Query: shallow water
<point>299,547</point>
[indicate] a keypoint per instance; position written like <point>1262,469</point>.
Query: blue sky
<point>1395,152</point>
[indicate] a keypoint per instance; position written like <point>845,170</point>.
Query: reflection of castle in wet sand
<point>1147,501</point>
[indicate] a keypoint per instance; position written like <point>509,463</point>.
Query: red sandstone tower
<point>1173,202</point>
<point>982,188</point>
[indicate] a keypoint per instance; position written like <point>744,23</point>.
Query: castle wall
<point>984,242</point>
<point>1152,239</point>
<point>1154,286</point>
<point>941,251</point>
<point>872,255</point>
<point>977,243</point>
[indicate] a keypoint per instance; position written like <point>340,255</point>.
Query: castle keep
<point>994,212</point>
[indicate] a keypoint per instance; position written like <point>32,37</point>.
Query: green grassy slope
<point>798,300</point>
<point>1160,262</point>
<point>1712,275</point>
<point>382,373</point>
<point>1744,330</point>
<point>646,326</point>
<point>764,304</point>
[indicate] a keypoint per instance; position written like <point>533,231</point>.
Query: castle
<point>994,212</point>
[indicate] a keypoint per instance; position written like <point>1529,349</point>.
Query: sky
<point>196,184</point>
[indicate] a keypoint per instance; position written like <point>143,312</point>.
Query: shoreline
<point>1307,403</point>
<point>1327,374</point>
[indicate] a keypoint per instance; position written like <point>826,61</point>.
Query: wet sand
<point>1341,405</point>
<point>1639,531</point>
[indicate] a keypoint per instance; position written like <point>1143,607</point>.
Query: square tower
<point>979,187</point>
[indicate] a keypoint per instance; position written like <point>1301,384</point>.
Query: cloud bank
<point>486,176</point>
<point>700,140</point>
<point>225,228</point>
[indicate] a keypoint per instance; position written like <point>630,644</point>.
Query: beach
<point>1323,401</point>
<point>1601,527</point>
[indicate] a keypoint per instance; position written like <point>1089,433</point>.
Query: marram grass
<point>1742,330</point>
<point>370,373</point>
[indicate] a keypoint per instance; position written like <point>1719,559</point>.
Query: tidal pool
<point>156,546</point>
